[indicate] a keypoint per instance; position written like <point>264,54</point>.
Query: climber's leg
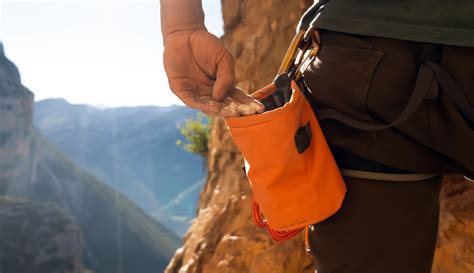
<point>388,227</point>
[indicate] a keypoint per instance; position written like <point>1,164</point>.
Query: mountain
<point>118,236</point>
<point>132,149</point>
<point>40,232</point>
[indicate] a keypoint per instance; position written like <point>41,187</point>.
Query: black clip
<point>282,94</point>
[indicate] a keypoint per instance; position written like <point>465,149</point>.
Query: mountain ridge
<point>132,149</point>
<point>118,236</point>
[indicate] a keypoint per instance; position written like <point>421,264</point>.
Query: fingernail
<point>215,106</point>
<point>259,108</point>
<point>246,110</point>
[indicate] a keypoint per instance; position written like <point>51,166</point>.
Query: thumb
<point>225,76</point>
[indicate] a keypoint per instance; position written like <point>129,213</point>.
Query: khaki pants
<point>388,226</point>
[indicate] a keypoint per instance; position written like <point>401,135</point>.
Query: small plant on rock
<point>196,131</point>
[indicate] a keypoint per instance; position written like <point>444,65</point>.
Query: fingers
<point>247,110</point>
<point>250,106</point>
<point>225,76</point>
<point>195,95</point>
<point>205,104</point>
<point>264,92</point>
<point>230,110</point>
<point>238,103</point>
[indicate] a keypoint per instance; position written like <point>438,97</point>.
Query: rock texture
<point>223,238</point>
<point>16,112</point>
<point>38,237</point>
<point>455,250</point>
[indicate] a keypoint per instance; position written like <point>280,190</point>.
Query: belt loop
<point>429,53</point>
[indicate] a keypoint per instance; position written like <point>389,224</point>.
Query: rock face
<point>16,112</point>
<point>455,250</point>
<point>223,238</point>
<point>38,237</point>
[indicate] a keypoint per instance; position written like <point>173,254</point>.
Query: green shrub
<point>196,132</point>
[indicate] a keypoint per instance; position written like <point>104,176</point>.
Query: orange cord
<point>256,216</point>
<point>276,235</point>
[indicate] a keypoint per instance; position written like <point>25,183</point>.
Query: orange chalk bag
<point>293,175</point>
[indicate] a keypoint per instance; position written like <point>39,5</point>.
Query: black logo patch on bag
<point>303,138</point>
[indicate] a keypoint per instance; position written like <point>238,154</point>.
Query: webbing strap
<point>430,74</point>
<point>309,16</point>
<point>453,92</point>
<point>395,177</point>
<point>420,92</point>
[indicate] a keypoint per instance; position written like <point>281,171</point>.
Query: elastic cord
<point>276,235</point>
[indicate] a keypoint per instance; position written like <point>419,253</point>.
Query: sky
<point>97,52</point>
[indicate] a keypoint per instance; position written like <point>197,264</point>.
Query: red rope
<point>261,223</point>
<point>276,235</point>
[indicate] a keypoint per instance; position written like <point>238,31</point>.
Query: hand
<point>238,103</point>
<point>200,70</point>
<point>201,73</point>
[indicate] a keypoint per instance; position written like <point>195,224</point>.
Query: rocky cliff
<point>16,112</point>
<point>455,249</point>
<point>38,237</point>
<point>118,236</point>
<point>223,238</point>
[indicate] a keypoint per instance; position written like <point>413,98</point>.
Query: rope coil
<point>276,235</point>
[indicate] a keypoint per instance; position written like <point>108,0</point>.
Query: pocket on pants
<point>339,79</point>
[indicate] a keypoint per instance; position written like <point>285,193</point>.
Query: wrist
<point>182,29</point>
<point>181,16</point>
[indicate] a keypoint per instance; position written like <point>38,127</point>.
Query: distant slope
<point>38,229</point>
<point>119,236</point>
<point>181,206</point>
<point>130,148</point>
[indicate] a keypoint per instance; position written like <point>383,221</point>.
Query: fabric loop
<point>420,92</point>
<point>426,87</point>
<point>453,92</point>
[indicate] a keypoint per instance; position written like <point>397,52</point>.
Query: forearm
<point>181,15</point>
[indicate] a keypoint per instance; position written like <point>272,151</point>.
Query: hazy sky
<point>100,52</point>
